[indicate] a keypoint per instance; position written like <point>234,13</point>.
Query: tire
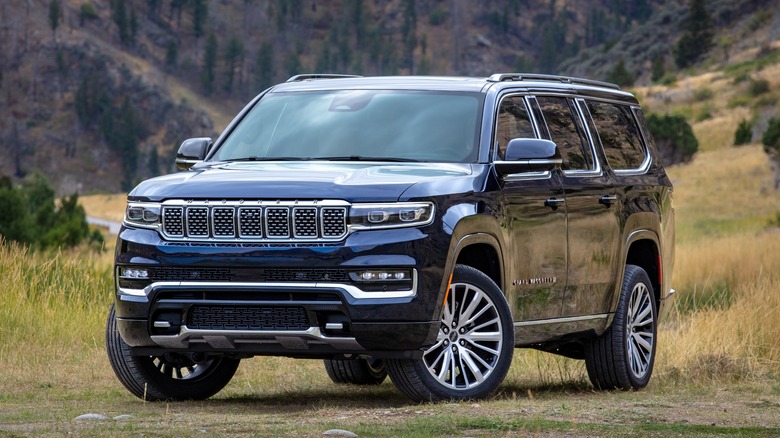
<point>170,377</point>
<point>473,350</point>
<point>623,357</point>
<point>356,371</point>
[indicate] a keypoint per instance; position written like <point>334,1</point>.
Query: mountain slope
<point>104,98</point>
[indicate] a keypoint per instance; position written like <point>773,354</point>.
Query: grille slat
<point>236,221</point>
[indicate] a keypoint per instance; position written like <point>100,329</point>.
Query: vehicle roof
<point>534,83</point>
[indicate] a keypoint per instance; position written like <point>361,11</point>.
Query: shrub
<point>29,215</point>
<point>758,87</point>
<point>437,17</point>
<point>673,137</point>
<point>744,133</point>
<point>702,94</point>
<point>771,137</point>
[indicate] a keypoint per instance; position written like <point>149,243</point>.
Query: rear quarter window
<point>619,134</point>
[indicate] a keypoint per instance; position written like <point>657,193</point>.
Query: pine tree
<point>620,75</point>
<point>658,68</point>
<point>200,11</point>
<point>120,18</point>
<point>234,57</point>
<point>171,53</point>
<point>697,39</point>
<point>264,67</point>
<point>55,15</point>
<point>133,26</point>
<point>209,59</point>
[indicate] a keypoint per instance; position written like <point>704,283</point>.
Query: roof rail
<point>500,77</point>
<point>307,77</point>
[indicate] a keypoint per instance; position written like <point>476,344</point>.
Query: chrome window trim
<point>597,170</point>
<point>645,166</point>
<point>575,173</point>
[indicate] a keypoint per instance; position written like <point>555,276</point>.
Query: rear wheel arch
<point>643,251</point>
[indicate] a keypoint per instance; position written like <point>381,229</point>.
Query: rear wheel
<point>623,357</point>
<point>473,350</point>
<point>171,376</point>
<point>369,371</point>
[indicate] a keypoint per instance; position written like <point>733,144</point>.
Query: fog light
<point>381,275</point>
<point>140,273</point>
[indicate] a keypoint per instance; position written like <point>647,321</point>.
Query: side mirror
<point>529,155</point>
<point>192,151</point>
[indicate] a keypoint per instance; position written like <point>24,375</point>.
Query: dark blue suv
<point>416,227</point>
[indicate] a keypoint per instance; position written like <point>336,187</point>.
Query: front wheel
<point>473,350</point>
<point>169,377</point>
<point>623,357</point>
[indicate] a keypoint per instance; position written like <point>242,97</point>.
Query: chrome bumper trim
<point>227,339</point>
<point>353,291</point>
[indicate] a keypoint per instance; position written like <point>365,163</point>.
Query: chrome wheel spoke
<point>467,312</point>
<point>639,325</point>
<point>484,348</point>
<point>645,344</point>
<point>484,337</point>
<point>483,325</point>
<point>466,356</point>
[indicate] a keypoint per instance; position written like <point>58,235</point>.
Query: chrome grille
<point>305,222</point>
<point>172,221</point>
<point>254,221</point>
<point>224,222</point>
<point>250,222</point>
<point>198,221</point>
<point>277,222</point>
<point>333,220</point>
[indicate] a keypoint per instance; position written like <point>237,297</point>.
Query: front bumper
<point>333,318</point>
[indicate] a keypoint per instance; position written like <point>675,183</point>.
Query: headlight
<point>392,215</point>
<point>145,215</point>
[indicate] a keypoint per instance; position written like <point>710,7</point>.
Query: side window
<point>513,122</point>
<point>567,132</point>
<point>619,135</point>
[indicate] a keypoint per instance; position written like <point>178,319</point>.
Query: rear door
<point>591,206</point>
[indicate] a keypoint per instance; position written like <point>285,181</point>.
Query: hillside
<point>97,95</point>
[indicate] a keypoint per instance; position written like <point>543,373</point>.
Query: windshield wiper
<point>364,158</point>
<point>270,159</point>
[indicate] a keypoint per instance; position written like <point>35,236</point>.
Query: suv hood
<point>356,182</point>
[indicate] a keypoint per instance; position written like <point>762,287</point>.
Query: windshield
<point>358,125</point>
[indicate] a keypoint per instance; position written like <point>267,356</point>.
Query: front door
<point>534,225</point>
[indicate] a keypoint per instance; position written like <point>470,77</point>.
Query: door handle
<point>608,200</point>
<point>553,203</point>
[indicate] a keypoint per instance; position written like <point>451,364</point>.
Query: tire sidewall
<point>633,276</point>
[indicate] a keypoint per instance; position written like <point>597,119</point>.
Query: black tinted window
<point>513,122</point>
<point>567,132</point>
<point>619,135</point>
